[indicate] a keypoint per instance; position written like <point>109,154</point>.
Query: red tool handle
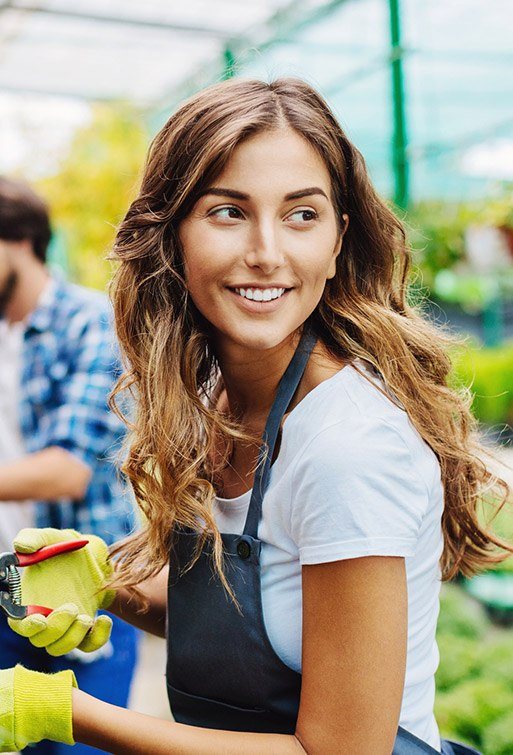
<point>48,551</point>
<point>38,609</point>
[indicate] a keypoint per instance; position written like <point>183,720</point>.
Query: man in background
<point>58,439</point>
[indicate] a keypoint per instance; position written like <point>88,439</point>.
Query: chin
<point>257,337</point>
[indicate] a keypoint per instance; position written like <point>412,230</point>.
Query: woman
<point>261,293</point>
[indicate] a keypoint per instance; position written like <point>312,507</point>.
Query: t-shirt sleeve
<point>356,493</point>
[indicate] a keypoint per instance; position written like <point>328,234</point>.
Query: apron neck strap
<point>285,391</point>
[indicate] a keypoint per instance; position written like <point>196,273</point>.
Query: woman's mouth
<point>260,294</point>
<point>260,299</point>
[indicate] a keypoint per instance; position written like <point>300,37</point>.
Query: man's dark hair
<point>24,216</point>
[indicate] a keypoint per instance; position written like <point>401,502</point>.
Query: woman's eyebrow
<point>305,193</point>
<point>219,191</point>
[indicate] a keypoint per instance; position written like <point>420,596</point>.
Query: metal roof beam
<point>282,23</point>
<point>66,94</point>
<point>144,23</point>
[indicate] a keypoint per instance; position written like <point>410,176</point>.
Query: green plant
<point>498,211</point>
<point>488,372</point>
<point>470,707</point>
<point>496,659</point>
<point>92,190</point>
<point>460,616</point>
<point>458,660</point>
<point>436,230</point>
<point>497,738</point>
<point>474,699</point>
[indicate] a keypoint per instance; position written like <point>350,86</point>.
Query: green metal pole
<point>399,139</point>
<point>229,63</point>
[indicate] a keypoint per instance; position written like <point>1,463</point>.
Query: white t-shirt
<point>13,515</point>
<point>352,478</point>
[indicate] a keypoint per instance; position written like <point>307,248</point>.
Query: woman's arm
<point>128,607</point>
<point>354,657</point>
<point>117,730</point>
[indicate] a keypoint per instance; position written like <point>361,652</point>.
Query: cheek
<point>197,279</point>
<point>197,260</point>
<point>207,254</point>
<point>319,268</point>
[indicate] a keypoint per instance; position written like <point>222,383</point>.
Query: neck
<point>251,378</point>
<point>30,284</point>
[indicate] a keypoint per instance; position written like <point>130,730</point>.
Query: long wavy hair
<point>364,313</point>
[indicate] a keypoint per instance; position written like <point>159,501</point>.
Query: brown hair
<point>24,216</point>
<point>363,313</point>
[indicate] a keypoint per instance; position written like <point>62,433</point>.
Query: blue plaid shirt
<point>69,365</point>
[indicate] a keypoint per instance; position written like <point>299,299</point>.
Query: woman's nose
<point>264,248</point>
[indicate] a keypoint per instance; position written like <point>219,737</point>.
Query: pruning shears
<point>10,580</point>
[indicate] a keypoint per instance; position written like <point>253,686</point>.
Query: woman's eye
<point>226,213</point>
<point>303,216</point>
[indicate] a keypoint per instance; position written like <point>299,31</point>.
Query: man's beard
<point>7,291</point>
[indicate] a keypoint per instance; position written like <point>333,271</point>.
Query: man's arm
<point>75,429</point>
<point>50,474</point>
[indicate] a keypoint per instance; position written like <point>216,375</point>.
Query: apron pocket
<point>213,714</point>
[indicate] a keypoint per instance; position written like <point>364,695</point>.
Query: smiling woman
<point>274,234</point>
<point>306,476</point>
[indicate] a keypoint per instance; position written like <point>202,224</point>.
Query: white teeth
<point>260,294</point>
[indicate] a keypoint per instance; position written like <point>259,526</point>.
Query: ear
<point>338,246</point>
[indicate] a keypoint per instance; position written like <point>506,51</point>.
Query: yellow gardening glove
<point>35,706</point>
<point>72,584</point>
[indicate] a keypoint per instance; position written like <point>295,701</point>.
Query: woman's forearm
<point>117,730</point>
<point>129,607</point>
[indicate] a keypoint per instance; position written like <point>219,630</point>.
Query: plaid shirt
<point>69,365</point>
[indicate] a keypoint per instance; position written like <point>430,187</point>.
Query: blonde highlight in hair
<point>172,368</point>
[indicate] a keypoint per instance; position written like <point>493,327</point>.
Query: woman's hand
<point>35,706</point>
<point>73,584</point>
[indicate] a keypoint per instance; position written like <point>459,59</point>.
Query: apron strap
<point>285,391</point>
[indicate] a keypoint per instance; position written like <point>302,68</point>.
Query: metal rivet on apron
<point>244,549</point>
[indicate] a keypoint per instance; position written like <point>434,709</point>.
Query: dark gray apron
<point>222,671</point>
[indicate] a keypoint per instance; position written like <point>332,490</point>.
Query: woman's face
<point>262,240</point>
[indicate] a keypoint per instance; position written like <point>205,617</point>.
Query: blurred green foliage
<point>474,701</point>
<point>461,618</point>
<point>93,188</point>
<point>488,372</point>
<point>501,522</point>
<point>436,232</point>
<point>437,235</point>
<point>498,735</point>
